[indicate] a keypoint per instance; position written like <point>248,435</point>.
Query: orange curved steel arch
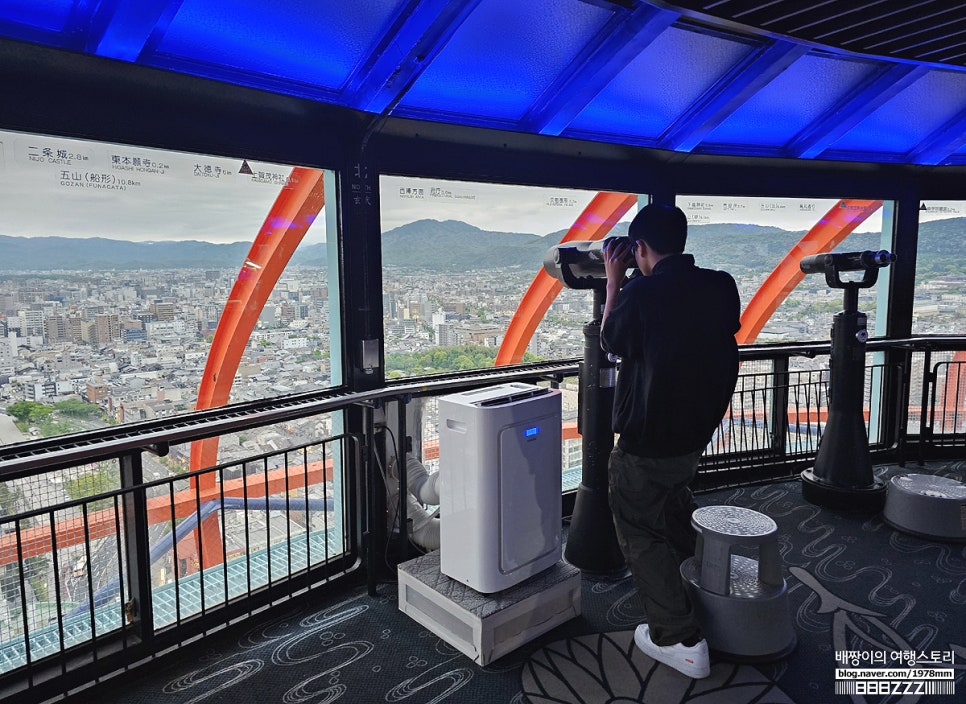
<point>828,232</point>
<point>294,211</point>
<point>596,220</point>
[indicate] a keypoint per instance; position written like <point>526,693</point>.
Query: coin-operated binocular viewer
<point>592,540</point>
<point>842,476</point>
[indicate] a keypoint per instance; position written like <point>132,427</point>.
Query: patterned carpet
<point>854,584</point>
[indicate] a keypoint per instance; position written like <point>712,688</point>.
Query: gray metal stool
<point>741,602</point>
<point>927,506</point>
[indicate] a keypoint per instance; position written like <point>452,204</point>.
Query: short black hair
<point>663,227</point>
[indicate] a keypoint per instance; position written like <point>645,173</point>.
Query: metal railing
<point>778,414</point>
<point>145,559</point>
<point>942,419</point>
<point>98,581</point>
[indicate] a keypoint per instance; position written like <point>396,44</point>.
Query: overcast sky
<point>543,210</point>
<point>51,186</point>
<point>59,187</point>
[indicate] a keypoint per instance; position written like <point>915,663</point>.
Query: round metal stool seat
<point>720,529</point>
<point>927,506</point>
<point>734,521</point>
<point>741,602</point>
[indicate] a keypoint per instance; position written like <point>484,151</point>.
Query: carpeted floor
<point>854,584</point>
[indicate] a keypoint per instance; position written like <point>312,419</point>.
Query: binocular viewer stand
<point>842,477</point>
<point>592,539</point>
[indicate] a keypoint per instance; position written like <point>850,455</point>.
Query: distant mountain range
<point>454,246</point>
<point>98,253</point>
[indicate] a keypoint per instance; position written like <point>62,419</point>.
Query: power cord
<point>385,472</point>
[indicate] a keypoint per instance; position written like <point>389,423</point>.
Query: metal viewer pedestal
<point>592,539</point>
<point>842,477</point>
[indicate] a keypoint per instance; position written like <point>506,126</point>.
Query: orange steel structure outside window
<point>605,210</point>
<point>296,208</point>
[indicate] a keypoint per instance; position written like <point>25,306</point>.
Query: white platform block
<point>486,627</point>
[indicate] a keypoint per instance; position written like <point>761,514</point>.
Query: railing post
<point>402,495</point>
<point>925,406</point>
<point>779,406</point>
<point>895,399</point>
<point>138,607</point>
<point>374,537</point>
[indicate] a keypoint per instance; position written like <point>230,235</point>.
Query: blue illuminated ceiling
<point>868,84</point>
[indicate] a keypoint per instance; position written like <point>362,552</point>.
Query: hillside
<point>51,253</point>
<point>452,245</point>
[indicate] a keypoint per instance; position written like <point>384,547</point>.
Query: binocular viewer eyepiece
<point>832,264</point>
<point>577,264</point>
<point>846,261</point>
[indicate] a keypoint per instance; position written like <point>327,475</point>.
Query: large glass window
<point>941,269</point>
<point>938,309</point>
<point>126,271</point>
<point>761,242</point>
<point>458,260</point>
<point>137,284</point>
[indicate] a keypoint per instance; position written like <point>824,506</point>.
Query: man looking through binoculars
<point>673,329</point>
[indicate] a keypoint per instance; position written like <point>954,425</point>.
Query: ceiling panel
<point>660,85</point>
<point>910,117</point>
<point>504,56</point>
<point>803,94</point>
<point>46,15</point>
<point>305,41</point>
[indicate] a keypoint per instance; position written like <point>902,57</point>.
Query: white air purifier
<point>499,460</point>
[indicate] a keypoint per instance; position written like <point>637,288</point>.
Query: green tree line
<point>29,414</point>
<point>444,359</point>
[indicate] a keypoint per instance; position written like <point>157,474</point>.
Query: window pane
<point>458,258</point>
<point>940,269</point>
<point>118,264</point>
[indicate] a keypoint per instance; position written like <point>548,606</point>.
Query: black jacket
<point>674,332</point>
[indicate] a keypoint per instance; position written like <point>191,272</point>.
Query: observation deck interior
<point>855,584</point>
<point>222,589</point>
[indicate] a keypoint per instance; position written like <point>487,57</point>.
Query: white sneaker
<point>691,661</point>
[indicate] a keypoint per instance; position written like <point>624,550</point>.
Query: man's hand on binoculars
<point>618,257</point>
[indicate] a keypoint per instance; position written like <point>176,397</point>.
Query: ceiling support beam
<point>123,30</point>
<point>942,143</point>
<point>420,32</point>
